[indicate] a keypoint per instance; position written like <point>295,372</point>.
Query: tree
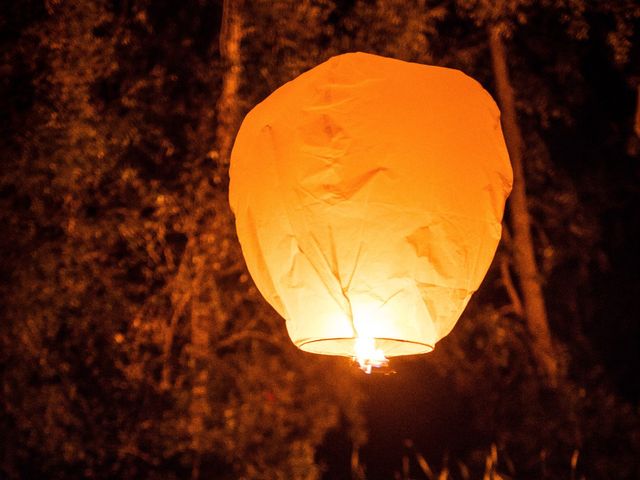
<point>204,248</point>
<point>546,74</point>
<point>135,344</point>
<point>498,20</point>
<point>229,104</point>
<point>534,308</point>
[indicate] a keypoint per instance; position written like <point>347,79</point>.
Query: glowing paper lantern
<point>368,195</point>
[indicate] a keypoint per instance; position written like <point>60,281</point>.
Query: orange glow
<point>368,194</point>
<point>367,355</point>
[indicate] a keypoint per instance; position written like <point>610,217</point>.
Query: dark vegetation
<point>133,343</point>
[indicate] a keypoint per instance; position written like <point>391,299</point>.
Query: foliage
<point>107,187</point>
<point>114,205</point>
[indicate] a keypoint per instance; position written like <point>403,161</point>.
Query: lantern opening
<point>346,346</point>
<point>368,356</point>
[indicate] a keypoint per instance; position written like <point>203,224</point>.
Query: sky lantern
<point>368,194</point>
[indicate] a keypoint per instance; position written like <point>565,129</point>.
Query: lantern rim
<point>345,346</point>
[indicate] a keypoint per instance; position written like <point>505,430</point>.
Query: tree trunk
<point>535,312</point>
<point>228,106</point>
<point>207,309</point>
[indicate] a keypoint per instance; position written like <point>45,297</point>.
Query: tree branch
<point>248,335</point>
<point>509,286</point>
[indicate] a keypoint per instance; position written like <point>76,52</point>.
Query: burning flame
<point>368,356</point>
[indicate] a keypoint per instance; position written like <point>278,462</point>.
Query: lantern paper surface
<point>368,194</point>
